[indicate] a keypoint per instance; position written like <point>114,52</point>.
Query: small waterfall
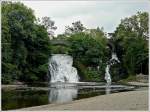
<point>114,58</point>
<point>112,61</point>
<point>107,75</point>
<point>61,69</point>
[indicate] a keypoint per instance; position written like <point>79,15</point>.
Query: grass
<point>129,79</point>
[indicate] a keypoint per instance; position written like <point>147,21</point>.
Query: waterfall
<point>114,57</point>
<point>61,69</point>
<point>111,62</point>
<point>107,75</point>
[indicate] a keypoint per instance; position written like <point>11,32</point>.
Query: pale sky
<point>92,14</point>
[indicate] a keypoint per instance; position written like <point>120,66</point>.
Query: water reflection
<point>63,94</point>
<point>107,89</point>
<point>56,93</point>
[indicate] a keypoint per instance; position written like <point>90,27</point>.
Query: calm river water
<point>55,93</point>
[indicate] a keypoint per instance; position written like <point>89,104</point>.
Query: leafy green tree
<point>49,25</point>
<point>24,43</point>
<point>136,56</point>
<point>134,26</point>
<point>76,27</point>
<point>88,53</point>
<point>38,54</point>
<point>131,43</point>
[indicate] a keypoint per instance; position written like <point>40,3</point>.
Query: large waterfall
<point>61,69</point>
<point>113,59</point>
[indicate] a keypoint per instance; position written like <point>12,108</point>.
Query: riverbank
<point>12,87</point>
<point>133,100</point>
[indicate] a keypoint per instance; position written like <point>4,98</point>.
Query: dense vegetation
<point>88,49</point>
<point>130,42</point>
<point>89,53</point>
<point>26,46</point>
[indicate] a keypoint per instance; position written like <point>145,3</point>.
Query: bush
<point>10,73</point>
<point>60,50</point>
<point>92,75</point>
<point>118,72</point>
<point>88,52</point>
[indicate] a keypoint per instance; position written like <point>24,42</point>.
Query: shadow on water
<point>56,93</point>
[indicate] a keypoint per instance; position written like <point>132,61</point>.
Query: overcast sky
<point>92,14</point>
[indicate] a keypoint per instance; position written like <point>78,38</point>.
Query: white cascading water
<point>107,74</point>
<point>114,57</point>
<point>61,69</point>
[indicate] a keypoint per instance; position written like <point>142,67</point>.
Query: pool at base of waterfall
<point>57,93</point>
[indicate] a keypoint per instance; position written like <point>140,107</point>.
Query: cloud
<point>91,13</point>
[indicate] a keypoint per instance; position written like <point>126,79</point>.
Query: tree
<point>88,53</point>
<point>21,37</point>
<point>49,25</point>
<point>134,26</point>
<point>136,56</point>
<point>131,43</point>
<point>76,27</point>
<point>14,16</point>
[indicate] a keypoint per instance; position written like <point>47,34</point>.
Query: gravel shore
<point>133,100</point>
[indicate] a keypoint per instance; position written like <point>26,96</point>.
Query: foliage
<point>49,25</point>
<point>86,49</point>
<point>134,26</point>
<point>92,75</point>
<point>118,72</point>
<point>60,49</point>
<point>76,27</point>
<point>89,52</point>
<point>136,56</point>
<point>131,43</point>
<point>25,45</point>
<point>130,78</point>
<point>88,73</point>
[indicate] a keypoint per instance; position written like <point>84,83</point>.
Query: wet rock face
<point>61,69</point>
